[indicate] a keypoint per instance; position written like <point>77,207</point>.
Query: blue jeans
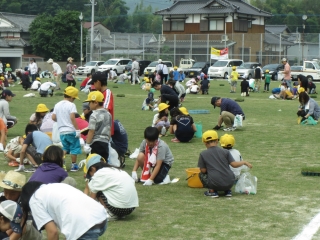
<point>93,234</point>
<point>288,82</point>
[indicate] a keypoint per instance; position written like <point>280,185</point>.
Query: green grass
<point>271,140</point>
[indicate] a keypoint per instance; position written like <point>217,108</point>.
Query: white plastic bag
<point>113,157</point>
<point>246,184</point>
<point>238,121</point>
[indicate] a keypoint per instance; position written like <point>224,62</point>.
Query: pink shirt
<point>287,72</point>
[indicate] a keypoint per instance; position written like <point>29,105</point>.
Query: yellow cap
<point>234,68</point>
<point>72,92</point>
<point>175,67</point>
<point>7,65</point>
<point>301,89</point>
<point>2,78</point>
<point>184,111</point>
<point>209,135</point>
<point>42,108</point>
<point>163,106</point>
<point>38,79</point>
<point>227,140</point>
<point>267,71</point>
<point>95,96</point>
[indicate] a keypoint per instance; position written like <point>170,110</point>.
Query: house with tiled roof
<point>216,23</point>
<point>14,37</point>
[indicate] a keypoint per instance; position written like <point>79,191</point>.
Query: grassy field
<point>271,140</point>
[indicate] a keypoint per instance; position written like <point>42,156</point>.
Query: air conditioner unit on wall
<point>224,38</point>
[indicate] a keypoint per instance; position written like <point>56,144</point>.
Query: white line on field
<point>310,229</point>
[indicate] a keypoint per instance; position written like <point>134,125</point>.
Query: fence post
<point>208,53</point>
<point>242,52</point>
<point>128,44</point>
<point>114,45</point>
<point>174,49</point>
<point>142,46</point>
<point>280,48</point>
<point>190,52</point>
<point>260,55</point>
<point>159,47</point>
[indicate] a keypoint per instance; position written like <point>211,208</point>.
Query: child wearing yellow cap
<point>160,120</point>
<point>100,120</point>
<point>214,162</point>
<point>38,115</point>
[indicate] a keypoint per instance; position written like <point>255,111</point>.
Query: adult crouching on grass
<point>168,95</point>
<point>228,110</point>
<point>6,97</point>
<point>308,107</point>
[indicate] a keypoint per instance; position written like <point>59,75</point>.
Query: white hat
<point>70,59</point>
<point>283,60</point>
<point>160,60</point>
<point>13,212</point>
<point>50,60</point>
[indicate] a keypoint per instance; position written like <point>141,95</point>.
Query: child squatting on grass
<point>155,159</point>
<point>215,173</point>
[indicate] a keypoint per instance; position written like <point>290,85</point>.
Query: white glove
<point>87,148</point>
<point>18,159</point>
<point>78,133</point>
<point>134,176</point>
<point>149,182</point>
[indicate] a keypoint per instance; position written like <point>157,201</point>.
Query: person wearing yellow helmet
<point>36,118</point>
<point>8,68</point>
<point>234,78</point>
<point>267,80</point>
<point>175,74</point>
<point>215,173</point>
<point>36,84</point>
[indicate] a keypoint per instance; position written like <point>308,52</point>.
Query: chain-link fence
<point>264,48</point>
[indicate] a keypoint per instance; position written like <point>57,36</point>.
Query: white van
<point>223,68</point>
<point>185,64</point>
<point>116,64</point>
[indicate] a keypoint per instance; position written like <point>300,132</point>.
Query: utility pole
<point>93,3</point>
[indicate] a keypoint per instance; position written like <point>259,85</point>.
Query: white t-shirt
<point>237,157</point>
<point>63,109</point>
<point>190,82</point>
<point>56,68</point>
<point>35,85</point>
<point>155,119</point>
<point>113,74</point>
<point>46,85</point>
<point>73,212</point>
<point>118,187</point>
<point>33,117</point>
<point>194,88</point>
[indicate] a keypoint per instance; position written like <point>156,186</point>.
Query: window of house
<point>216,24</point>
<point>177,26</point>
<point>240,25</point>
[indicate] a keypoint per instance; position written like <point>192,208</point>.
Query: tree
<point>56,37</point>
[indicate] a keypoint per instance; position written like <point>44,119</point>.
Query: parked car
<point>295,69</point>
<point>247,69</point>
<point>142,63</point>
<point>197,68</point>
<point>153,66</point>
<point>223,68</point>
<point>116,64</point>
<point>273,70</point>
<point>185,64</point>
<point>89,67</point>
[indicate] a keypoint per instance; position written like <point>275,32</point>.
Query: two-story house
<point>191,27</point>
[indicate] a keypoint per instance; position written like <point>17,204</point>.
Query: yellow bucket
<point>193,178</point>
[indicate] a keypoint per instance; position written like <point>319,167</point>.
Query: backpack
<point>64,77</point>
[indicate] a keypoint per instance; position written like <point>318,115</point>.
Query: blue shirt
<point>120,137</point>
<point>231,106</point>
<point>182,76</point>
<point>39,140</point>
<point>176,75</point>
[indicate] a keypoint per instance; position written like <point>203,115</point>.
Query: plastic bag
<point>238,121</point>
<point>113,157</point>
<point>246,184</point>
<point>309,121</point>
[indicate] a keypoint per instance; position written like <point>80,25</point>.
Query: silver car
<point>247,69</point>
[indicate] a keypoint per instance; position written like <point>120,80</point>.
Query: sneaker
<point>175,140</point>
<point>229,129</point>
<point>211,194</point>
<point>166,180</point>
<point>20,168</point>
<point>74,167</point>
<point>228,193</point>
<point>29,170</point>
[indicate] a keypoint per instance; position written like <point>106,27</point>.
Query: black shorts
<point>163,172</point>
<point>100,148</point>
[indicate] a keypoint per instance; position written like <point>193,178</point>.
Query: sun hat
<point>42,108</point>
<point>209,135</point>
<point>13,212</point>
<point>6,92</point>
<point>213,101</point>
<point>234,68</point>
<point>38,79</point>
<point>95,96</point>
<point>72,92</point>
<point>175,67</point>
<point>267,70</point>
<point>70,59</point>
<point>50,60</point>
<point>301,89</point>
<point>160,60</point>
<point>7,65</point>
<point>227,140</point>
<point>2,78</point>
<point>283,60</point>
<point>90,161</point>
<point>163,106</point>
<point>13,181</point>
<point>184,111</point>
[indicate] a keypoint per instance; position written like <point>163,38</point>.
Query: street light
<point>304,18</point>
<point>81,17</point>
